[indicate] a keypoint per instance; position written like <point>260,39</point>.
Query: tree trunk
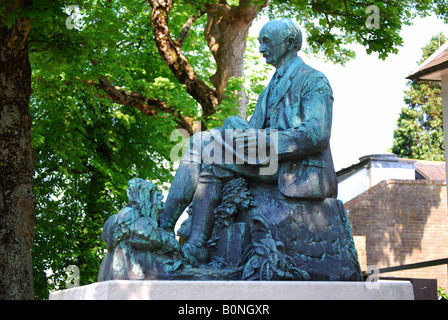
<point>226,38</point>
<point>16,164</point>
<point>226,34</point>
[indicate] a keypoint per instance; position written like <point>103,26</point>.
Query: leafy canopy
<point>332,26</point>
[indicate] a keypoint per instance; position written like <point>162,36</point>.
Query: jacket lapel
<point>275,94</point>
<point>280,89</point>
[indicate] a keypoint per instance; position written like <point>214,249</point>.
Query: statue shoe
<point>195,254</point>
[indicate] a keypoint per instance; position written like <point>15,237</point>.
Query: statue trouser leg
<point>181,194</point>
<point>206,198</point>
<point>183,185</point>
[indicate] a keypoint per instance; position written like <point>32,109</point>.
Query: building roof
<point>427,170</point>
<point>431,68</point>
<point>384,160</point>
<point>430,170</point>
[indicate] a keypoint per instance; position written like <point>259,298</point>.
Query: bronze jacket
<point>301,107</point>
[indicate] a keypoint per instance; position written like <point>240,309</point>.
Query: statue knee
<point>208,175</point>
<point>235,122</point>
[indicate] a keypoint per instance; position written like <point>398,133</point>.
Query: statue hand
<point>256,141</point>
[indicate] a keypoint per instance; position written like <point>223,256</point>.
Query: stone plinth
<point>237,290</point>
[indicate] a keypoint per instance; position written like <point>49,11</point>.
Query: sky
<point>369,92</point>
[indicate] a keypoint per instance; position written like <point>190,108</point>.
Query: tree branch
<point>186,28</point>
<point>149,106</point>
<point>173,57</point>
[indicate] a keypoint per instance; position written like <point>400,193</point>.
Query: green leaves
<point>332,26</point>
<point>86,150</point>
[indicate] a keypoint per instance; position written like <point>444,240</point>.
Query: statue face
<point>274,49</point>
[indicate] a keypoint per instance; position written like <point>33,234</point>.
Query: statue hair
<point>290,30</point>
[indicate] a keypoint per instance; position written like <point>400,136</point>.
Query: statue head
<point>280,40</point>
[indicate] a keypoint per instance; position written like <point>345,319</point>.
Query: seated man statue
<point>297,106</point>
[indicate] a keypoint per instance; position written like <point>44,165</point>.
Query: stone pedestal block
<point>237,290</point>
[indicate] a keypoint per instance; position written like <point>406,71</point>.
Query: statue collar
<point>282,70</point>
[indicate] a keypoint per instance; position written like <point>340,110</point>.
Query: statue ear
<point>290,43</point>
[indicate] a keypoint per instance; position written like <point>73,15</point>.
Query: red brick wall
<point>404,221</point>
<point>360,244</point>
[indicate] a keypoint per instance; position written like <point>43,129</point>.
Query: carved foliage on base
<point>266,259</point>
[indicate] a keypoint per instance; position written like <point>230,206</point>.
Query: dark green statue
<point>261,195</point>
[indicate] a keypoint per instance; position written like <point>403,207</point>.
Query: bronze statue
<point>255,219</point>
